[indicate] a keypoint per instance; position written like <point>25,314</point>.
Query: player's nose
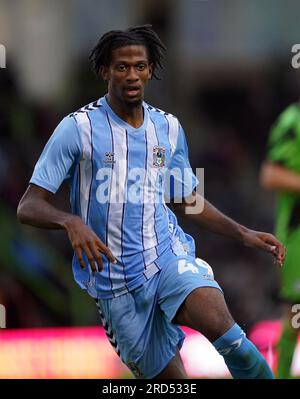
<point>132,75</point>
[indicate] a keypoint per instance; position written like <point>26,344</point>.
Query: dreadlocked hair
<point>138,35</point>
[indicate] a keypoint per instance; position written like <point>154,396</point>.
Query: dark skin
<point>126,77</point>
<point>204,309</point>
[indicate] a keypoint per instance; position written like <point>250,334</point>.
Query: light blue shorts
<point>139,323</point>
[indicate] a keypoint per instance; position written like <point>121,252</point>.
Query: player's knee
<point>217,321</point>
<point>205,310</point>
<point>217,327</point>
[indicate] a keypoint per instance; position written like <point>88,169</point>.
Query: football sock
<point>286,347</point>
<point>241,356</point>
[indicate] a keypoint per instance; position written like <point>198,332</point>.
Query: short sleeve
<point>63,149</point>
<point>180,181</point>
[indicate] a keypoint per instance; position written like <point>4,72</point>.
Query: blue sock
<point>241,356</point>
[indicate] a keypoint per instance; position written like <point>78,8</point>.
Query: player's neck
<point>133,114</point>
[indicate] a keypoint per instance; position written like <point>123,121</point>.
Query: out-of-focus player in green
<point>281,173</point>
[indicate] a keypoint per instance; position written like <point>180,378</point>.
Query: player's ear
<point>104,73</point>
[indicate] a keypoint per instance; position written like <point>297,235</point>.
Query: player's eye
<point>141,67</point>
<point>121,68</point>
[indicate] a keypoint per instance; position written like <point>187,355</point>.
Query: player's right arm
<point>277,177</point>
<point>35,208</point>
<point>280,171</point>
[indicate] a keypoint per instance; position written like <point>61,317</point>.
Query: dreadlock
<point>138,35</point>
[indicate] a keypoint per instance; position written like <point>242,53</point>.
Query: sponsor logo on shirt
<point>110,157</point>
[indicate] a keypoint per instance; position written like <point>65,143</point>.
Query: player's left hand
<point>267,242</point>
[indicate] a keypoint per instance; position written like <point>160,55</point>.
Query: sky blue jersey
<point>120,177</point>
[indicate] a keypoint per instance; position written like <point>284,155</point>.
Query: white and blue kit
<point>100,155</point>
<point>117,175</point>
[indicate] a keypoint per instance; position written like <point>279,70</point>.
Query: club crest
<point>158,157</point>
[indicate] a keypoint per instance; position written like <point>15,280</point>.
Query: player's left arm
<point>215,221</point>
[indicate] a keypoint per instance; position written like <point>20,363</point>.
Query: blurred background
<point>227,76</point>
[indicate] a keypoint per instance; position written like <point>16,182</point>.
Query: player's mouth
<point>132,91</point>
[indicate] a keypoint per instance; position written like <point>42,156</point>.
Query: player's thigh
<point>175,369</point>
<point>205,310</point>
<point>190,296</point>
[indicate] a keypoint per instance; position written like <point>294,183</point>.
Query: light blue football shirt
<point>119,177</point>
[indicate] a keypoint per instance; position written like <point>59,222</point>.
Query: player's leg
<point>189,295</point>
<point>205,310</point>
<point>175,369</point>
<point>286,345</point>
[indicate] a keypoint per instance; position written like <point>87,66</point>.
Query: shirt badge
<point>159,156</point>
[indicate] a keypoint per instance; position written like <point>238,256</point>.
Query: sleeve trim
<point>44,185</point>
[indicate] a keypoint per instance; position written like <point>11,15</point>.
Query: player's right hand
<point>84,240</point>
<point>266,242</point>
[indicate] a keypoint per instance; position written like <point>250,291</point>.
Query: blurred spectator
<point>281,173</point>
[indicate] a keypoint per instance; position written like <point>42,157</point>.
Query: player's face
<point>128,74</point>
